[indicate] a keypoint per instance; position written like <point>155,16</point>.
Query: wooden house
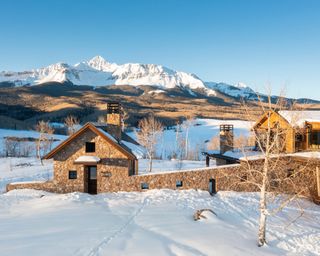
<point>300,129</point>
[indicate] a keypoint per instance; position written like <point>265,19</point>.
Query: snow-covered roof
<point>245,154</point>
<point>127,144</point>
<point>310,154</point>
<point>87,159</point>
<point>135,149</point>
<point>28,182</point>
<point>126,141</point>
<point>298,118</point>
<point>107,134</point>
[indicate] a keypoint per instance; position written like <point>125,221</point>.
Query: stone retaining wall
<point>228,177</point>
<point>47,186</point>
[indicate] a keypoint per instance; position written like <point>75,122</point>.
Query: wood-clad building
<point>300,129</point>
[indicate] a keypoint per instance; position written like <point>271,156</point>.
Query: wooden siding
<point>273,119</point>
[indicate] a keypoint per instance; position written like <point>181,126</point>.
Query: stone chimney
<point>226,138</point>
<point>114,119</point>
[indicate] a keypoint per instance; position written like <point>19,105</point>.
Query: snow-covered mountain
<point>99,72</point>
<point>238,90</point>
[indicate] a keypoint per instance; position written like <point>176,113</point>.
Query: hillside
<point>53,101</point>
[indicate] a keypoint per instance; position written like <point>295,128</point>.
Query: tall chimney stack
<point>226,138</point>
<point>114,119</point>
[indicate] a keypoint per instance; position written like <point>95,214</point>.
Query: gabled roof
<point>99,129</point>
<point>298,118</point>
<point>265,116</point>
<point>293,118</point>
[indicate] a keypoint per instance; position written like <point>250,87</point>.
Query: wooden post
<point>318,180</point>
<point>207,161</point>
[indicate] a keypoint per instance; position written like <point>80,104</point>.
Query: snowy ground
<point>29,146</point>
<point>23,169</point>
<point>170,165</point>
<point>156,222</point>
<point>200,133</point>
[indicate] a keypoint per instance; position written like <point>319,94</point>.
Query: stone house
<point>96,157</point>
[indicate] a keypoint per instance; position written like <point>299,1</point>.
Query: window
<point>315,138</point>
<point>90,147</point>
<point>72,175</point>
<point>179,183</point>
<point>299,137</point>
<point>132,167</point>
<point>144,185</point>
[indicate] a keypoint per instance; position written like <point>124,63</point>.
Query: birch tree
<point>45,139</point>
<point>148,135</point>
<point>269,176</point>
<point>186,125</point>
<point>71,123</point>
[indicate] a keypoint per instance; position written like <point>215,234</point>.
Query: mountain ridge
<point>99,72</point>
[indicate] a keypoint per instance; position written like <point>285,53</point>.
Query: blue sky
<point>259,43</point>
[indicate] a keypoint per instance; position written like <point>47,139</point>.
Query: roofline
<point>264,116</point>
<point>96,131</point>
<point>221,156</point>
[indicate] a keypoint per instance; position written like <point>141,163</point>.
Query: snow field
<point>156,222</point>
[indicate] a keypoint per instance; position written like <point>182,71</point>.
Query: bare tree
<point>101,119</point>
<point>71,123</point>
<point>243,141</point>
<point>11,146</point>
<point>149,133</point>
<point>125,118</point>
<point>186,125</point>
<point>269,176</point>
<point>214,143</point>
<point>180,142</point>
<point>44,142</point>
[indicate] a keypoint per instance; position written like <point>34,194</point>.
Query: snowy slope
<point>201,131</point>
<point>99,72</point>
<point>156,222</point>
<point>26,145</point>
<point>14,169</point>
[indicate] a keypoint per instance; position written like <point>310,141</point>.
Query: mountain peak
<point>97,58</point>
<point>241,85</point>
<point>99,63</point>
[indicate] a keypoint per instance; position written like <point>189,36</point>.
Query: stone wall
<point>120,181</point>
<point>191,179</point>
<point>290,175</point>
<point>47,186</point>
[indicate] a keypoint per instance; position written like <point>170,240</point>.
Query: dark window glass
<point>92,173</point>
<point>299,137</point>
<point>132,169</point>
<point>90,147</point>
<point>144,185</point>
<point>72,175</point>
<point>179,183</point>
